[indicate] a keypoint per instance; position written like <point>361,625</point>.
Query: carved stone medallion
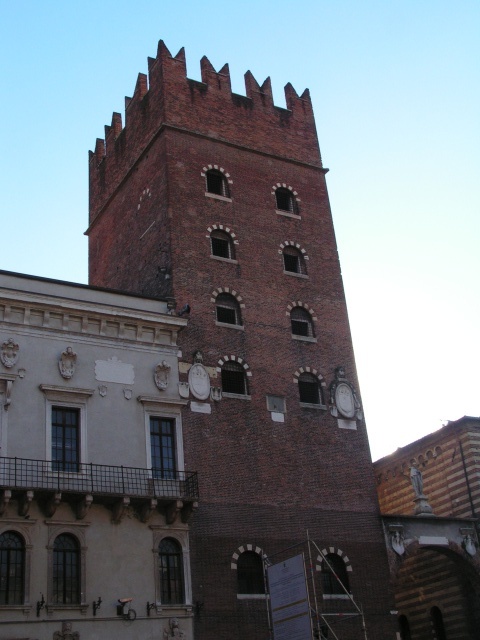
<point>67,363</point>
<point>9,353</point>
<point>162,375</point>
<point>343,399</point>
<point>198,379</point>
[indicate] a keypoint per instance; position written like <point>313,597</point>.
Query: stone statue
<point>173,630</point>
<point>396,538</point>
<point>417,481</point>
<point>469,545</point>
<point>66,633</point>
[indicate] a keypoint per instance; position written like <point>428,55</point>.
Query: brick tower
<point>218,201</point>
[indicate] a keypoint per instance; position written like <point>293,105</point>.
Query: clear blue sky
<point>396,93</point>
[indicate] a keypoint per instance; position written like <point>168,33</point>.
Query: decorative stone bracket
<point>188,510</point>
<point>173,510</point>
<point>82,506</point>
<point>5,498</point>
<point>120,509</point>
<point>52,503</point>
<point>147,509</point>
<point>24,503</point>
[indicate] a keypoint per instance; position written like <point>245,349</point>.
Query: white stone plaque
<point>200,407</point>
<point>113,370</point>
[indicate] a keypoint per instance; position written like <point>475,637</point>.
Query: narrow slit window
<point>250,574</point>
<point>334,575</point>
<point>65,439</point>
<point>171,572</point>
<point>66,570</point>
<point>12,568</point>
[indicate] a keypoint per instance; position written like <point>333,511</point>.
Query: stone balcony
<point>117,487</point>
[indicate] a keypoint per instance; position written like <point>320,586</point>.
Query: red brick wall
<point>261,482</point>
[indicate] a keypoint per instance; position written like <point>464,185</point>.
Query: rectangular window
<point>65,439</point>
<point>162,443</point>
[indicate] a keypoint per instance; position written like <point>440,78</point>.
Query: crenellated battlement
<point>166,98</point>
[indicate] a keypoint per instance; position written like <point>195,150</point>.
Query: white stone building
<point>94,497</point>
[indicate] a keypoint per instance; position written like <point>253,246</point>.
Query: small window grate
<point>302,324</point>
<point>220,248</point>
<point>293,261</point>
<point>222,245</point>
<point>300,328</point>
<point>285,201</point>
<point>226,315</point>
<point>309,389</point>
<point>216,183</point>
<point>227,309</point>
<point>234,379</point>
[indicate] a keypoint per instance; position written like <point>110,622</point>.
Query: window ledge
<point>303,338</point>
<point>295,274</point>
<point>251,596</point>
<point>239,396</point>
<point>25,608</point>
<point>68,607</point>
<point>310,405</point>
<point>229,325</point>
<point>215,196</point>
<point>225,259</point>
<point>287,214</point>
<point>336,596</point>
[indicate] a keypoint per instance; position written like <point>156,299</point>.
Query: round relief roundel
<point>199,381</point>
<point>344,400</point>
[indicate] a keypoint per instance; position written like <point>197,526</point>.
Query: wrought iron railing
<point>43,475</point>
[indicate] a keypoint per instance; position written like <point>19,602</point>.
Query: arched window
<point>309,389</point>
<point>334,575</point>
<point>12,568</point>
<point>234,379</point>
<point>171,572</point>
<point>293,260</point>
<point>66,570</point>
<point>302,324</point>
<point>217,183</point>
<point>285,200</point>
<point>222,244</point>
<point>438,627</point>
<point>250,573</point>
<point>404,628</point>
<point>227,309</point>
